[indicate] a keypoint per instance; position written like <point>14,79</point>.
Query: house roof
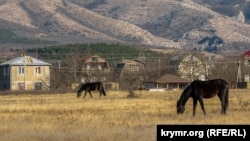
<point>132,61</point>
<point>83,59</point>
<point>89,57</point>
<point>25,60</point>
<point>246,54</point>
<point>167,78</point>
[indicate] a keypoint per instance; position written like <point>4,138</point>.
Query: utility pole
<point>238,74</point>
<point>159,66</point>
<point>24,71</point>
<point>59,65</point>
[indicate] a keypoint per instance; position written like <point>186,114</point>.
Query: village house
<point>128,68</point>
<point>167,81</point>
<point>246,57</point>
<point>130,73</point>
<point>94,68</point>
<point>25,73</point>
<point>243,71</point>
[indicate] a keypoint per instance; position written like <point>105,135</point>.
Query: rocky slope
<point>176,24</point>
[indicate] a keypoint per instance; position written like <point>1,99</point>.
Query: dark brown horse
<point>88,87</point>
<point>204,89</point>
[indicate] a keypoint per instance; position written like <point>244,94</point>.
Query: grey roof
<point>25,60</point>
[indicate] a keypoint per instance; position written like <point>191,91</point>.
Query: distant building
<point>128,68</point>
<point>246,67</point>
<point>94,68</point>
<point>167,81</point>
<point>24,73</point>
<point>246,57</point>
<point>130,73</point>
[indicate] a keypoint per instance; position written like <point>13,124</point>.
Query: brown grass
<point>114,117</point>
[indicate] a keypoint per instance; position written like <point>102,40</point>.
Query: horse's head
<point>78,94</point>
<point>180,107</point>
<point>80,90</point>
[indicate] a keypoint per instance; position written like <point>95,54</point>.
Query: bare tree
<point>72,64</point>
<point>225,69</point>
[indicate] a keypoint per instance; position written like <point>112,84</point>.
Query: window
<point>38,86</point>
<point>94,59</point>
<point>133,67</point>
<point>37,70</point>
<point>21,70</point>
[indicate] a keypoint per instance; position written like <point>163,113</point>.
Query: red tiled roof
<point>246,54</point>
<point>168,78</point>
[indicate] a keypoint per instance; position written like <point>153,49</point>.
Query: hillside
<point>176,24</point>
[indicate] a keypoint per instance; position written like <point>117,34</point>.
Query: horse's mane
<point>185,94</point>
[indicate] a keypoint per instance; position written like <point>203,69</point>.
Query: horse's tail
<point>226,97</point>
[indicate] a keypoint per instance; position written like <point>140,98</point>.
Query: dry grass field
<point>63,117</point>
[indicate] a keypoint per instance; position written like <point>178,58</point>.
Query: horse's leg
<point>90,94</point>
<point>194,105</point>
<point>226,92</point>
<point>100,92</point>
<point>202,106</point>
<point>224,101</point>
<point>85,94</point>
<point>103,91</point>
<point>223,105</point>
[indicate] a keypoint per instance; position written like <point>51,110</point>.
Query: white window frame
<point>134,67</point>
<point>21,70</point>
<point>38,70</point>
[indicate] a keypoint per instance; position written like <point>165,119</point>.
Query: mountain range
<point>218,26</point>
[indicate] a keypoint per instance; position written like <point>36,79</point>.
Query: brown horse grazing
<point>204,89</point>
<point>87,87</point>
